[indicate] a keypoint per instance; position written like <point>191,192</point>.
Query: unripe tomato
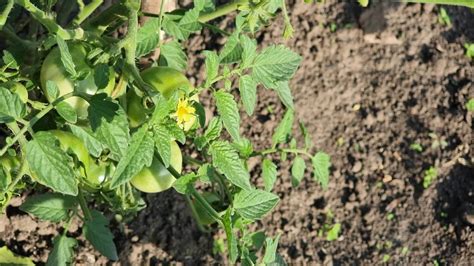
<point>53,69</point>
<point>17,88</point>
<point>157,178</point>
<point>165,80</point>
<point>70,143</point>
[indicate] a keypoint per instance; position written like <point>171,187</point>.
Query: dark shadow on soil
<point>455,201</point>
<point>167,224</point>
<point>462,19</point>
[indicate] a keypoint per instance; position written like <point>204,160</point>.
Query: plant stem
<point>130,46</point>
<point>100,23</point>
<point>220,11</point>
<point>87,11</point>
<point>195,214</point>
<point>210,210</point>
<point>274,150</point>
<point>198,197</point>
<point>189,159</point>
<point>19,175</point>
<point>4,14</point>
<point>53,27</point>
<point>83,204</point>
<point>33,120</point>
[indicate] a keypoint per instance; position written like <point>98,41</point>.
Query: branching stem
<point>35,119</point>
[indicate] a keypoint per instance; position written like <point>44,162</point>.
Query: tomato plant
<point>90,129</point>
<point>54,70</point>
<point>157,178</point>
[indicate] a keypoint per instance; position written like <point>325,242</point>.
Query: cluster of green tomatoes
<point>166,80</point>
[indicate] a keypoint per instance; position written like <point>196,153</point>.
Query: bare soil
<point>380,80</point>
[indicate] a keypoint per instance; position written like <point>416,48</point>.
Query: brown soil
<point>387,77</point>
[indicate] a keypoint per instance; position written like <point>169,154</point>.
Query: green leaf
<point>174,55</point>
<point>274,64</point>
<point>227,108</point>
<point>9,258</point>
<point>321,164</point>
<point>244,147</point>
<point>232,246</point>
<point>148,37</point>
<point>212,67</point>
<point>66,57</point>
<point>283,131</point>
<point>284,92</point>
<point>50,165</point>
<point>63,251</point>
<point>271,246</point>
<point>429,176</point>
<point>297,170</point>
<point>214,129</point>
<point>333,234</point>
<point>248,93</point>
<point>189,23</point>
<point>470,105</point>
<point>308,143</point>
<point>9,60</point>
<point>163,143</point>
<point>52,89</point>
<point>176,132</point>
<point>11,106</point>
<point>254,204</point>
<point>110,125</point>
<point>232,51</point>
<point>66,111</point>
<point>171,27</point>
<point>138,155</point>
<point>269,173</point>
<point>49,206</point>
<point>98,233</point>
<point>249,51</point>
<point>184,184</point>
<point>226,159</point>
<point>92,143</point>
<point>101,76</point>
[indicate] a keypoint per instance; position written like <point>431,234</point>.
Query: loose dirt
<point>372,83</point>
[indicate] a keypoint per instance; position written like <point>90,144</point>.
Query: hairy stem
<point>275,150</point>
<point>213,213</point>
<point>5,12</point>
<point>33,120</point>
<point>195,214</point>
<point>19,175</point>
<point>48,22</point>
<point>87,11</point>
<point>220,11</point>
<point>83,204</point>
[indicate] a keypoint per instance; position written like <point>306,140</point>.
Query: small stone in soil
<point>357,167</point>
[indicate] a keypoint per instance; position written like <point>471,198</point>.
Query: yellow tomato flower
<point>185,112</point>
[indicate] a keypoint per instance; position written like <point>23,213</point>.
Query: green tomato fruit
<point>157,178</point>
<point>165,80</point>
<point>72,144</point>
<point>53,70</point>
